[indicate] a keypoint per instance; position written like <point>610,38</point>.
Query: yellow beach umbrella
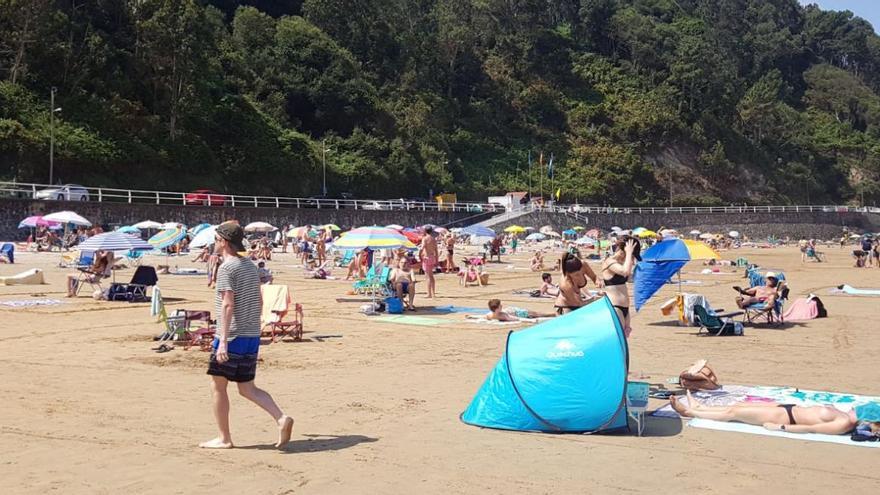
<point>515,229</point>
<point>647,233</point>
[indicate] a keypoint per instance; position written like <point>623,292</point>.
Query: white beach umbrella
<point>259,227</point>
<point>148,224</point>
<point>171,225</point>
<point>706,236</point>
<point>67,217</point>
<point>695,232</point>
<point>733,234</point>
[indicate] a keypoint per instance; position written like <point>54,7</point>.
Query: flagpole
<point>530,176</point>
<point>541,166</point>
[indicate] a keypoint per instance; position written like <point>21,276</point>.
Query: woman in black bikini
<point>616,270</point>
<point>574,278</point>
<point>784,417</point>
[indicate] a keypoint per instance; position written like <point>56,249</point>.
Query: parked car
<point>67,192</point>
<point>205,197</point>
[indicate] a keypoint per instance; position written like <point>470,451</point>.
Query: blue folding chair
<point>8,250</point>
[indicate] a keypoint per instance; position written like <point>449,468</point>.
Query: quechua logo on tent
<point>564,349</point>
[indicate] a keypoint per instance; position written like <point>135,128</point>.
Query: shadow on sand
<point>316,443</point>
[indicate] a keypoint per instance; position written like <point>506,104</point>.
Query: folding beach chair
<point>346,258</point>
<point>637,403</point>
<point>717,324</point>
<point>87,273</point>
<point>276,306</point>
<point>179,328</point>
<point>8,251</point>
<point>136,290</point>
<point>772,315</point>
<point>134,257</point>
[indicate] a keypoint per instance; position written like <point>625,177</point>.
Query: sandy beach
<point>88,408</point>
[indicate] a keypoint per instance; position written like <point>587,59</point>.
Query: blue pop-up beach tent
<point>567,374</point>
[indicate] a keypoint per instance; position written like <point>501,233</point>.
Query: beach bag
<point>394,305</point>
<point>820,308</point>
<point>699,377</point>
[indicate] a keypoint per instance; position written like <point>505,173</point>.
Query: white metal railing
<point>105,194</point>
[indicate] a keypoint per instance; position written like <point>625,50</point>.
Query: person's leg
<point>221,415</point>
<point>744,413</point>
<point>260,397</point>
<point>411,290</point>
<point>71,285</point>
<point>398,288</point>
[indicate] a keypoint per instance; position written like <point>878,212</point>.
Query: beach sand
<point>88,408</point>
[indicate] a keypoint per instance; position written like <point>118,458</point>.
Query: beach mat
<point>422,321</point>
<point>848,289</point>
<point>760,430</point>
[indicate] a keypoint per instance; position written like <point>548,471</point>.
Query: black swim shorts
<point>240,367</point>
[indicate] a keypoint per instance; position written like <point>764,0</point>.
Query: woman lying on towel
<point>515,314</point>
<point>784,417</point>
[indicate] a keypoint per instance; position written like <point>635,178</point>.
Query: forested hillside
<point>720,100</point>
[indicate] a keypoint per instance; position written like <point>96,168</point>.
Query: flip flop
<point>163,348</point>
<point>661,394</point>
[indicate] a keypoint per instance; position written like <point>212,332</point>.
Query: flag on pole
<point>550,167</point>
<point>558,191</point>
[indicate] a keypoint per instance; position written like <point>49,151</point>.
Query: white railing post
<point>276,202</point>
<point>100,198</point>
<point>157,197</point>
<point>256,205</point>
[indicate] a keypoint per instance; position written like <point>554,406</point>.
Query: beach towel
<point>31,302</point>
<point>802,309</point>
<point>276,301</point>
<point>34,276</point>
<point>483,320</point>
<point>732,394</point>
<point>188,271</point>
<point>848,289</point>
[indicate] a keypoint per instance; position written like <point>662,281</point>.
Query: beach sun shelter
<point>567,374</point>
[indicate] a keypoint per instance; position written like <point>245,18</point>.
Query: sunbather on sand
<point>763,294</point>
<point>548,288</point>
<point>537,262</point>
<point>100,268</point>
<point>785,417</point>
<point>403,282</point>
<point>497,313</point>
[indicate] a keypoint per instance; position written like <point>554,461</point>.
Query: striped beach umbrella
<point>167,237</point>
<point>115,241</point>
<point>372,237</point>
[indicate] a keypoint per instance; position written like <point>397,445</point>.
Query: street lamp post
<point>324,151</point>
<point>52,133</point>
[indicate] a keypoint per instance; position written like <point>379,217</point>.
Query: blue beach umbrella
<point>663,260</point>
<point>198,228</point>
<point>129,229</point>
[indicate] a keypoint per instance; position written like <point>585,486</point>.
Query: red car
<point>205,197</point>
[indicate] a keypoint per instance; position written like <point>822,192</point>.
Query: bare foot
<point>285,429</point>
<point>693,403</point>
<point>678,407</point>
<point>216,443</point>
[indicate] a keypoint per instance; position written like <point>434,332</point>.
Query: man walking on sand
<point>428,254</point>
<point>237,341</point>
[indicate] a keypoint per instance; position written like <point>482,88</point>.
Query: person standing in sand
<point>428,254</point>
<point>234,358</point>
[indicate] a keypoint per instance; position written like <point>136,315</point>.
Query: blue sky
<point>866,9</point>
